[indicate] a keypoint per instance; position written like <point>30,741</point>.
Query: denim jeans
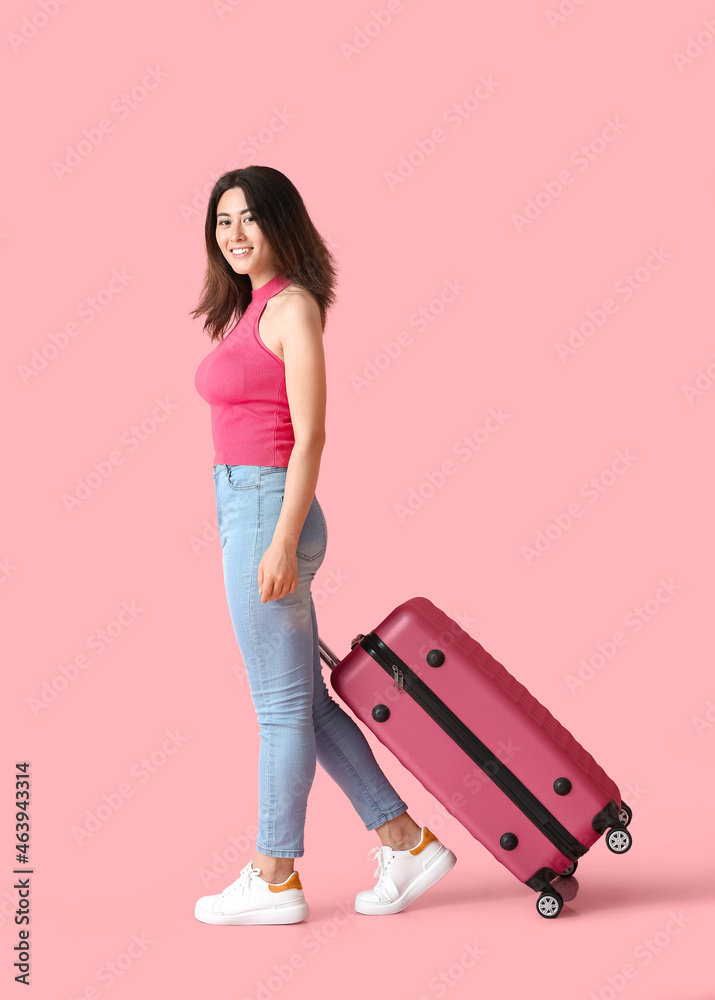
<point>299,721</point>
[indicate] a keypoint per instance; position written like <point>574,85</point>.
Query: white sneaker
<point>252,900</point>
<point>404,875</point>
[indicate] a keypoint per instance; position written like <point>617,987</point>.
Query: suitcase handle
<point>329,657</point>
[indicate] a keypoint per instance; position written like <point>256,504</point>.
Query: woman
<point>270,269</point>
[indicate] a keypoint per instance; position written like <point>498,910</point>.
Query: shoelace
<point>382,865</point>
<point>243,881</point>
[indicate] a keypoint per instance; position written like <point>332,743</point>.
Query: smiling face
<point>240,239</point>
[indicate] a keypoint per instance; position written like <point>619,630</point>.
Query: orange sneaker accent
<point>292,883</point>
<point>427,838</point>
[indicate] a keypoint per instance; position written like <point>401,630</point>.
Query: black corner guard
<point>605,818</point>
<point>541,879</point>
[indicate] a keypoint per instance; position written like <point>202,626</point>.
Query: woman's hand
<point>277,571</point>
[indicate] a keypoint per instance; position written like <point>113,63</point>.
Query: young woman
<point>268,284</point>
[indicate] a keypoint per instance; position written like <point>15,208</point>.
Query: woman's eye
<point>249,218</point>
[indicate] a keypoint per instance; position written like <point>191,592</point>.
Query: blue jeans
<point>299,721</point>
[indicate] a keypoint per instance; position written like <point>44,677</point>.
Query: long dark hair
<point>299,251</point>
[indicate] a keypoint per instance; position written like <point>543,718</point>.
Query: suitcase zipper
<point>404,678</point>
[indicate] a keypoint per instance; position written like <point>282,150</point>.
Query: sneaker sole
<point>289,915</point>
<point>443,863</point>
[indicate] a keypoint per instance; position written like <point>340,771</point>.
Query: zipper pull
<point>399,680</point>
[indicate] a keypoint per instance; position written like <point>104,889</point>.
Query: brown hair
<point>299,251</point>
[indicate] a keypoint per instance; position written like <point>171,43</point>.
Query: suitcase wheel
<point>618,839</point>
<point>549,904</point>
<point>625,815</point>
<point>571,870</point>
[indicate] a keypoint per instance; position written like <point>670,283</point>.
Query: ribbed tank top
<point>244,383</point>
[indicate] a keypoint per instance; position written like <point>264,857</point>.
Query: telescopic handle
<point>329,657</point>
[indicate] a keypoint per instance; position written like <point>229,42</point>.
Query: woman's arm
<point>298,326</point>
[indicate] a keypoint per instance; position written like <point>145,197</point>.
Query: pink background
<point>348,119</point>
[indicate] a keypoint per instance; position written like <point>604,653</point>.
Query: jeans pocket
<point>238,485</point>
<point>313,539</point>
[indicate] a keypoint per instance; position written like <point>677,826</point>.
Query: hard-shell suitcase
<point>474,736</point>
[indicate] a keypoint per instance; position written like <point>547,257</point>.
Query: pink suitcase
<point>474,736</point>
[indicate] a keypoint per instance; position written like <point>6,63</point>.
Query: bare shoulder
<point>294,309</point>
